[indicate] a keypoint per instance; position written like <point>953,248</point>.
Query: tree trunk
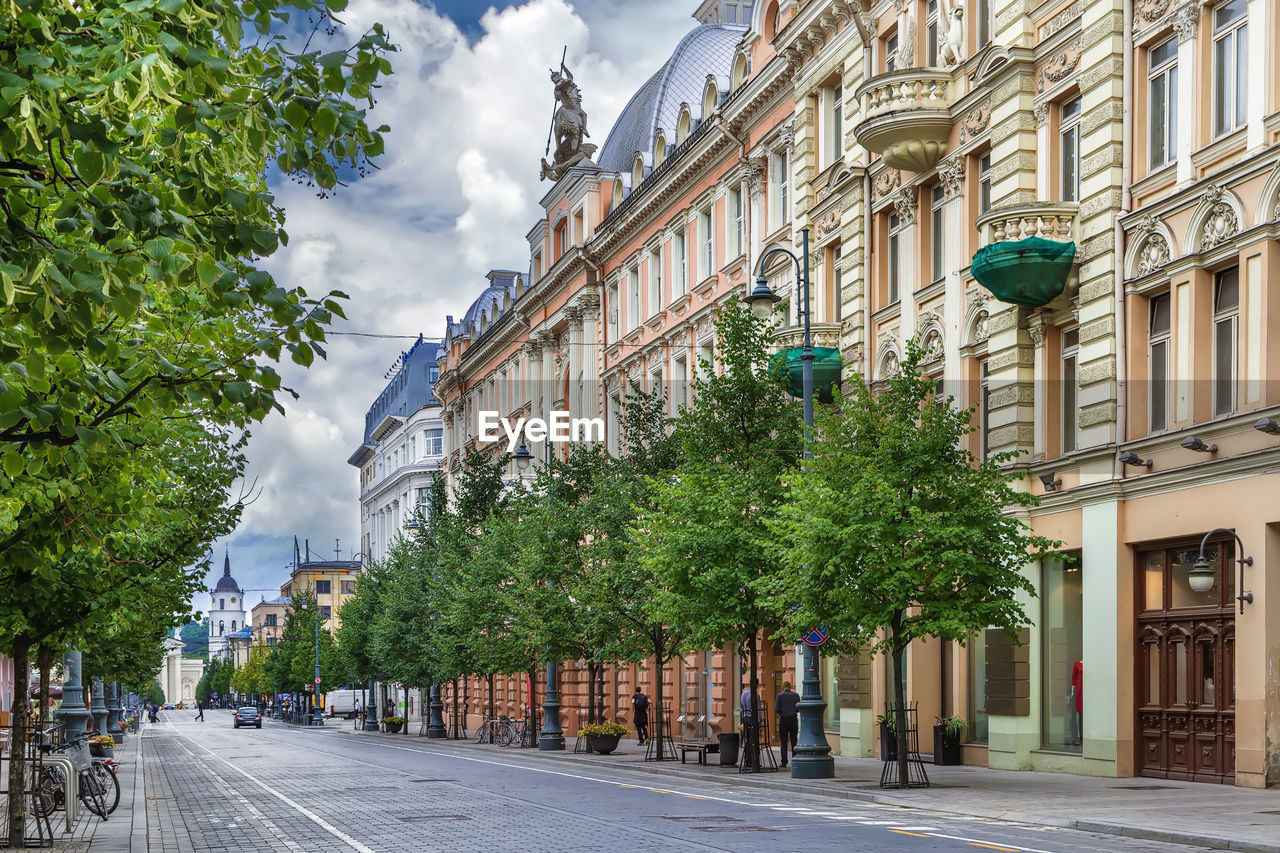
<point>753,727</point>
<point>900,698</point>
<point>491,706</point>
<point>591,681</point>
<point>18,740</point>
<point>44,660</point>
<point>600,694</point>
<point>658,733</point>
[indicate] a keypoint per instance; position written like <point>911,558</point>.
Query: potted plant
<point>603,738</point>
<point>392,724</point>
<point>102,746</point>
<point>947,733</point>
<point>888,736</point>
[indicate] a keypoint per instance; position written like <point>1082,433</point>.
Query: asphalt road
<point>210,787</point>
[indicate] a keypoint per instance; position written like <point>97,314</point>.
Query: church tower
<point>226,610</point>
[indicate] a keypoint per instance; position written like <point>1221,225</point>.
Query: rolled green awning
<point>1030,272</point>
<point>826,371</point>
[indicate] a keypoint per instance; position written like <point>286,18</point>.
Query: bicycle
<point>510,731</point>
<point>96,780</point>
<point>488,730</point>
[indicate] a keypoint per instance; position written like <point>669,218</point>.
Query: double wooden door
<point>1186,665</point>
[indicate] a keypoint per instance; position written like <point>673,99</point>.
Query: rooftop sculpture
<point>568,127</point>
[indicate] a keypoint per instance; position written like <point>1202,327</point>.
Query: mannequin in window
<point>1075,704</point>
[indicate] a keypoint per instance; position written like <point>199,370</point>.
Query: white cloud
<point>457,191</point>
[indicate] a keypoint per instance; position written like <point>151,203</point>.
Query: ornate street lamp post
<point>812,759</point>
<point>73,712</point>
<point>552,736</point>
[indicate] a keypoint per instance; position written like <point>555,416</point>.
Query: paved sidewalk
<point>1214,816</point>
<point>125,831</point>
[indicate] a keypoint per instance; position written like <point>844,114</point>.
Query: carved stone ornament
<point>1041,112</point>
<point>1145,224</point>
<point>1061,65</point>
<point>1186,20</point>
<point>980,331</point>
<point>951,173</point>
<point>568,129</point>
<point>788,133</point>
<point>905,202</point>
<point>1150,11</point>
<point>886,182</point>
<point>932,346</point>
<point>890,367</point>
<point>1155,253</point>
<point>975,121</point>
<point>1060,20</point>
<point>828,223</point>
<point>1035,329</point>
<point>1220,226</point>
<point>950,33</point>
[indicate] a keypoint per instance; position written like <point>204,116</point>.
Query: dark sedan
<point>248,717</point>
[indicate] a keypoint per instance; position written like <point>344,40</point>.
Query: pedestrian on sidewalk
<point>356,714</point>
<point>200,708</point>
<point>640,704</point>
<point>785,706</point>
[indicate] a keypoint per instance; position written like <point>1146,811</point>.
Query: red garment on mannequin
<point>1077,681</point>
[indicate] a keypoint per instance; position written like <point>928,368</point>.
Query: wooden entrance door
<point>1186,665</point>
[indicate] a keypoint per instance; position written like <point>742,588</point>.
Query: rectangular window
<point>978,718</point>
<point>434,442</point>
<point>735,213</point>
<point>705,235</point>
<point>833,119</point>
<point>270,620</point>
<point>986,22</point>
<point>655,282</point>
<point>1230,60</point>
<point>935,228</point>
<point>1062,618</point>
<point>890,53</point>
<point>1070,365</point>
<point>1162,102</point>
<point>325,612</point>
<point>323,587</point>
<point>679,381</point>
<point>984,183</point>
<point>271,643</point>
<point>633,298</point>
<point>1158,362</point>
<point>837,281</point>
<point>706,358</point>
<point>1226,310</point>
<point>613,426</point>
<point>931,34</point>
<point>348,587</point>
<point>612,309</point>
<point>1069,148</point>
<point>679,264</point>
<point>655,383</point>
<point>780,205</point>
<point>892,289</point>
<point>433,373</point>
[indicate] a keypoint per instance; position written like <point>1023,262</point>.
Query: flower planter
<point>946,750</point>
<point>602,744</point>
<point>393,728</point>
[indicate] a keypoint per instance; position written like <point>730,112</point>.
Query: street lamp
<point>552,736</point>
<point>1202,575</point>
<point>435,708</point>
<point>812,758</point>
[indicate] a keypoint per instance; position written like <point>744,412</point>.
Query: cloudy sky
<point>469,106</point>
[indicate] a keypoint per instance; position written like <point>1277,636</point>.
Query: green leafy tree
<point>156,696</point>
<point>705,540</point>
<point>195,638</point>
<point>895,532</point>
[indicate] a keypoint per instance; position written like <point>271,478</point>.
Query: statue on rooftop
<point>568,128</point>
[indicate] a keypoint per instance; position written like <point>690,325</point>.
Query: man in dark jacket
<point>785,706</point>
<point>640,705</point>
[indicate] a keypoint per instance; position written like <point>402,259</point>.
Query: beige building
<point>333,581</point>
<point>179,676</point>
<point>268,620</point>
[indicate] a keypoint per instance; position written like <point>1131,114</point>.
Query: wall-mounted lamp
<point>1131,458</point>
<point>1051,482</point>
<point>1193,443</point>
<point>1202,575</point>
<point>1267,425</point>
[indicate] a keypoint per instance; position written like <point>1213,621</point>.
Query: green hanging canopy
<point>1030,272</point>
<point>826,371</point>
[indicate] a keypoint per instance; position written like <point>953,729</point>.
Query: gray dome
<point>226,583</point>
<point>708,49</point>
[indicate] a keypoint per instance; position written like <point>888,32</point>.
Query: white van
<point>342,703</point>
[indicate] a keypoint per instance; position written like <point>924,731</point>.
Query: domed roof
<point>226,583</point>
<point>708,49</point>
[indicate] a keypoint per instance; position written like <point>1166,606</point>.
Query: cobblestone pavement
<point>211,788</point>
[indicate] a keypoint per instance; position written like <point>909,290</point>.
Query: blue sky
<point>458,189</point>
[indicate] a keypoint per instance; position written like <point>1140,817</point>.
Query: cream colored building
<point>179,676</point>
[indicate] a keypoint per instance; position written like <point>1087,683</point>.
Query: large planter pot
<point>602,744</point>
<point>888,744</point>
<point>946,750</point>
<point>393,728</point>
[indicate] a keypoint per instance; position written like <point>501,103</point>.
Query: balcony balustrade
<point>905,116</point>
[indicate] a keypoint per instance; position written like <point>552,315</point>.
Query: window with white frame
<point>1162,102</point>
<point>706,358</point>
<point>655,281</point>
<point>1226,311</point>
<point>936,198</point>
<point>1070,371</point>
<point>706,256</point>
<point>931,34</point>
<point>1230,61</point>
<point>735,223</point>
<point>894,260</point>
<point>633,298</point>
<point>1069,148</point>
<point>779,187</point>
<point>613,309</point>
<point>613,427</point>
<point>433,442</point>
<point>655,383</point>
<point>984,183</point>
<point>679,264</point>
<point>679,381</point>
<point>890,52</point>
<point>833,120</point>
<point>986,25</point>
<point>1158,323</point>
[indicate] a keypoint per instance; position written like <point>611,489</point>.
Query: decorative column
<point>98,707</point>
<point>1186,25</point>
<point>113,710</point>
<point>547,391</point>
<point>951,172</point>
<point>1040,439</point>
<point>574,401</point>
<point>904,202</point>
<point>74,714</point>
<point>592,400</point>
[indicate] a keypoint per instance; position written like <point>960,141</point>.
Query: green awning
<point>1030,272</point>
<point>826,371</point>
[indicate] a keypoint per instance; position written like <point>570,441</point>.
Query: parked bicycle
<point>96,784</point>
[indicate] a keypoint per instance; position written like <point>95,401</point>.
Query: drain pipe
<point>1117,243</point>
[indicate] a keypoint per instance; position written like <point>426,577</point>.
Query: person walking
<point>640,705</point>
<point>200,708</point>
<point>356,714</point>
<point>785,705</point>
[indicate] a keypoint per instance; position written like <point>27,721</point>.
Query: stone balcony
<point>905,116</point>
<point>1048,220</point>
<point>820,334</point>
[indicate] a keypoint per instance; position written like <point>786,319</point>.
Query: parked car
<point>248,716</point>
<point>168,706</point>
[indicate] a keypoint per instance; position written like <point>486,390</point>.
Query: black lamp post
<point>1202,575</point>
<point>552,736</point>
<point>812,759</point>
<point>435,719</point>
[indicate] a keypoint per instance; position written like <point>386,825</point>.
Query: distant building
<point>226,611</point>
<point>179,676</point>
<point>334,581</point>
<point>267,620</point>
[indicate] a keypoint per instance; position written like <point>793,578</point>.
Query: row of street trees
<point>138,333</point>
<point>707,529</point>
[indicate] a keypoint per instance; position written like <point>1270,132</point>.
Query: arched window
<point>233,626</point>
<point>739,71</point>
<point>710,97</point>
<point>770,20</point>
<point>659,149</point>
<point>221,627</point>
<point>617,192</point>
<point>637,171</point>
<point>683,125</point>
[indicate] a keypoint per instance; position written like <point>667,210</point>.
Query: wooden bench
<point>702,747</point>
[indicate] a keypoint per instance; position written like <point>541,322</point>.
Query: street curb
<point>1102,827</point>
